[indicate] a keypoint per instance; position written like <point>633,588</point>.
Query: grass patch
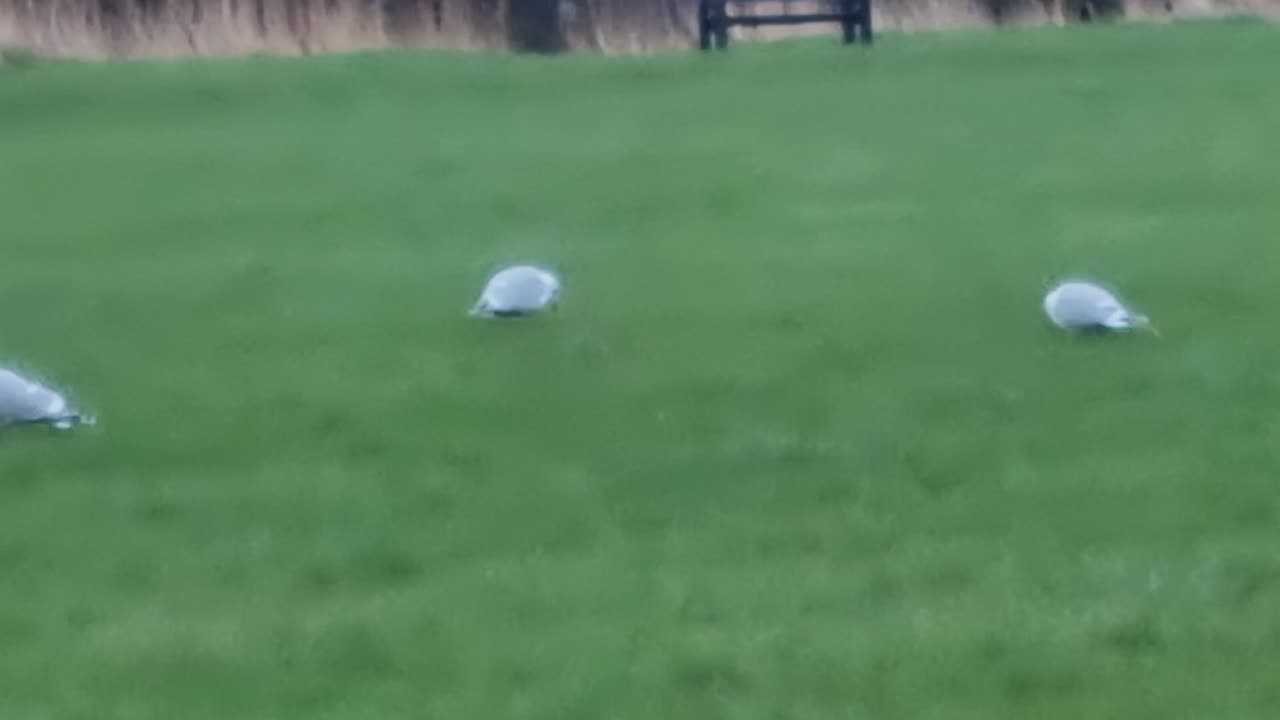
<point>798,444</point>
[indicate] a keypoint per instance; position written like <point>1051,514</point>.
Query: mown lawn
<point>798,444</point>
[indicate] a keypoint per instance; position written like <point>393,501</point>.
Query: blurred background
<point>168,28</point>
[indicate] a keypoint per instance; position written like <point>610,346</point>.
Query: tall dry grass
<point>166,28</point>
<point>170,28</point>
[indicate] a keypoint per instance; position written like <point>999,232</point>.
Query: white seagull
<point>1084,305</point>
<point>24,401</point>
<point>518,290</point>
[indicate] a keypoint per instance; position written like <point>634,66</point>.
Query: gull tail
<point>63,421</point>
<point>71,419</point>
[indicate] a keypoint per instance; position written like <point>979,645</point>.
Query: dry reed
<point>172,28</point>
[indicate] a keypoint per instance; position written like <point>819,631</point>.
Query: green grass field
<point>798,444</point>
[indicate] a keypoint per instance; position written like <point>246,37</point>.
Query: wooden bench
<point>714,19</point>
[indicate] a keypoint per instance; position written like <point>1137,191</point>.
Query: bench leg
<point>704,25</point>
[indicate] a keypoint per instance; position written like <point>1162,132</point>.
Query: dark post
<point>848,21</point>
<point>704,24</point>
<point>713,24</point>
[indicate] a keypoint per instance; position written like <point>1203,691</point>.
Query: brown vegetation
<point>131,28</point>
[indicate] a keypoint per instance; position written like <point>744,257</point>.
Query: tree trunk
<point>534,26</point>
